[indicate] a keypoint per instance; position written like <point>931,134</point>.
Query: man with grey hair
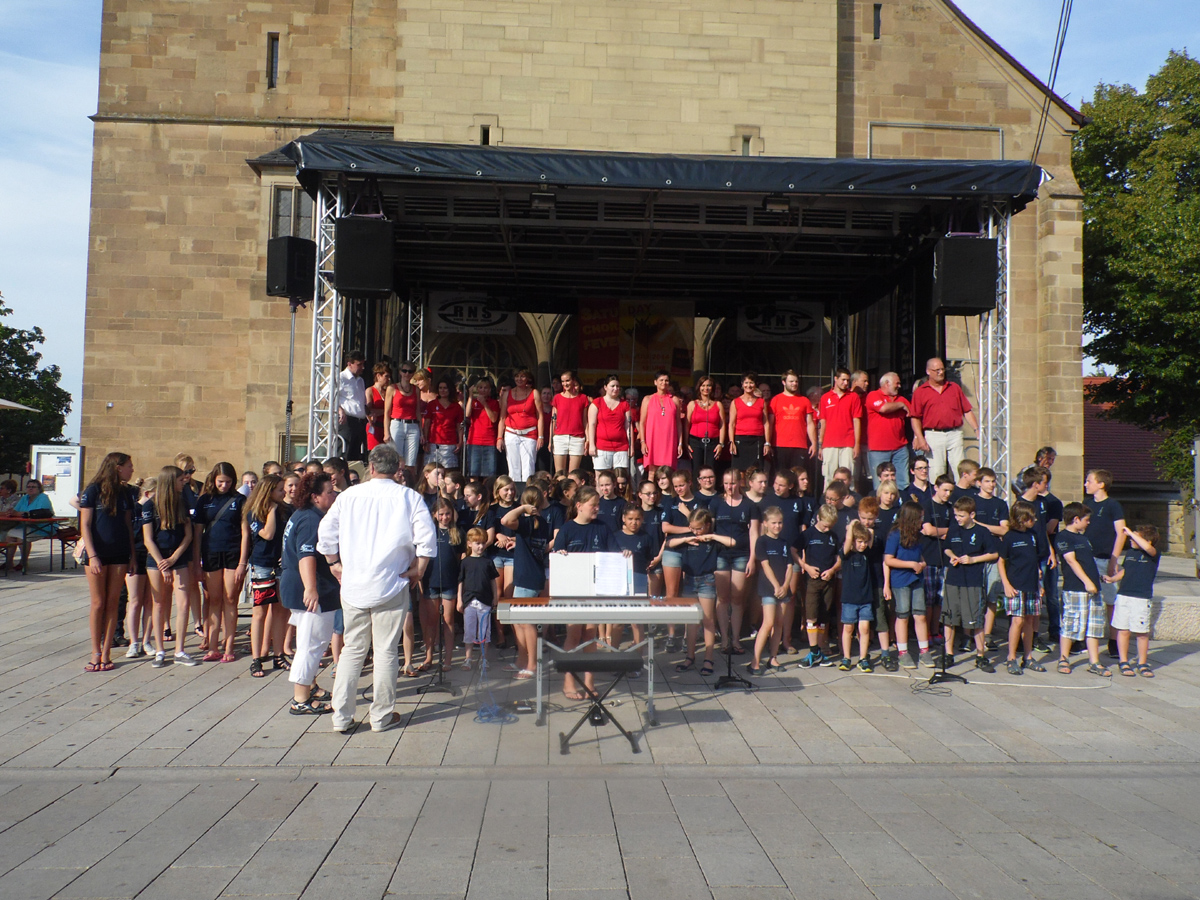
<point>887,413</point>
<point>378,538</point>
<point>939,408</point>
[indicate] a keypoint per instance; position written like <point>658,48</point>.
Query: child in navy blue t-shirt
<point>1132,610</point>
<point>774,580</point>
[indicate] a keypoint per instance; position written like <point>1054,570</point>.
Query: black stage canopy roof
<point>361,155</point>
<point>544,230</point>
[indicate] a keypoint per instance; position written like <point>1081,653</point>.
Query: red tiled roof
<point>1125,450</point>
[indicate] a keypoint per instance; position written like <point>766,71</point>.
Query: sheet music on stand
<point>591,575</point>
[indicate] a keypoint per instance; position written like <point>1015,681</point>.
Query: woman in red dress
<point>376,394</point>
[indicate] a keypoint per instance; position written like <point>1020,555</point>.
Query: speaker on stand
<point>291,273</point>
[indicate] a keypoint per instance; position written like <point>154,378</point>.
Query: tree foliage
<point>1138,163</point>
<point>24,380</point>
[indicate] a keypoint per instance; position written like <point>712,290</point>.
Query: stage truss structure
<point>323,439</point>
<point>995,381</point>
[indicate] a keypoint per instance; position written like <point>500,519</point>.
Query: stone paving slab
<point>146,783</point>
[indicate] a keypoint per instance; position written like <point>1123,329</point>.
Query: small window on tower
<point>272,60</point>
<point>878,20</point>
<point>745,145</point>
<point>485,135</point>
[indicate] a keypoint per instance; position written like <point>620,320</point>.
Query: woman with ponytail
<point>262,546</point>
<point>106,527</point>
<point>219,513</point>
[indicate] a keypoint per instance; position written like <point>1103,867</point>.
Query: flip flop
<point>228,657</point>
<point>577,696</point>
<point>525,673</point>
<point>212,656</point>
<point>107,666</point>
<point>92,667</point>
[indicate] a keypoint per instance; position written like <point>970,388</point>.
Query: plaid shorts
<point>1023,604</point>
<point>934,576</point>
<point>1083,616</point>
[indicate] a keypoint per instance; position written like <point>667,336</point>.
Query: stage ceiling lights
<point>777,203</point>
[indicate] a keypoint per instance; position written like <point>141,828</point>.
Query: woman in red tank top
<point>376,395</point>
<point>402,419</point>
<point>749,429</point>
<point>521,434</point>
<point>568,425</point>
<point>608,427</point>
<point>706,426</point>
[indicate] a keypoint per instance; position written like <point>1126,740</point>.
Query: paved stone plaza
<point>197,783</point>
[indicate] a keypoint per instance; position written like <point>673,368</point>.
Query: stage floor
<point>197,782</point>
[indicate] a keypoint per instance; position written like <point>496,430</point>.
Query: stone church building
<point>194,170</point>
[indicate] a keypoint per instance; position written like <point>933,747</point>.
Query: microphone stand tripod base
<point>731,678</point>
<point>941,676</point>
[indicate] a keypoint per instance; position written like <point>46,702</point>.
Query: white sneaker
<point>134,651</point>
<point>184,660</point>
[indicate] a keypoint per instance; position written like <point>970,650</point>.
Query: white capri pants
<point>522,451</point>
<point>313,631</point>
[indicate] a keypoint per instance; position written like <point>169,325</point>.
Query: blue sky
<point>49,57</point>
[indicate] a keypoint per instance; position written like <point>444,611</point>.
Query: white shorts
<point>567,445</point>
<point>1131,614</point>
<point>611,459</point>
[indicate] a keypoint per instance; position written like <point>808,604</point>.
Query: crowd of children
<point>862,568</point>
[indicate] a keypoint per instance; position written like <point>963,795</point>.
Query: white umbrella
<point>8,404</point>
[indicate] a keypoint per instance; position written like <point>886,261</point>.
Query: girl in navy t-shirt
<point>263,522</point>
<point>532,537</point>
<point>737,517</point>
<point>441,576</point>
<point>1132,610</point>
<point>167,532</point>
<point>219,514</point>
<point>106,526</point>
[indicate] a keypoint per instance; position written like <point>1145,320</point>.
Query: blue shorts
<point>524,592</point>
<point>853,613</point>
<point>771,600</point>
<point>703,586</point>
<point>442,595</point>
<point>672,559</point>
<point>502,562</point>
<point>910,599</point>
<point>735,564</point>
<point>339,622</point>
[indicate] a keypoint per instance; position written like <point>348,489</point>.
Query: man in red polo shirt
<point>887,413</point>
<point>792,424</point>
<point>938,410</point>
<point>840,418</point>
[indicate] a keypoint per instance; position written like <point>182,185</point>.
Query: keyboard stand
<point>651,714</point>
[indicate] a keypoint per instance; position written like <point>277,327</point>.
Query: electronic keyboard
<point>599,611</point>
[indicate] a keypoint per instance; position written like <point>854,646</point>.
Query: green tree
<point>1138,163</point>
<point>24,380</point>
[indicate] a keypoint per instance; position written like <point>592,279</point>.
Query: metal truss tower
<point>323,440</point>
<point>995,382</point>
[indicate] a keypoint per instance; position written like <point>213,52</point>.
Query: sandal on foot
<point>1127,670</point>
<point>281,663</point>
<point>1145,671</point>
<point>686,664</point>
<point>707,667</point>
<point>320,695</point>
<point>408,672</point>
<point>525,673</point>
<point>738,649</point>
<point>575,696</point>
<point>228,657</point>
<point>256,667</point>
<point>212,656</point>
<point>1097,669</point>
<point>1064,666</point>
<point>92,667</point>
<point>107,666</point>
<point>310,708</point>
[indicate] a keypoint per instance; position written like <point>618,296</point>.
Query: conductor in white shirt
<point>352,408</point>
<point>378,538</point>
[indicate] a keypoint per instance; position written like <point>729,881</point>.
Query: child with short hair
<point>817,555</point>
<point>440,583</point>
<point>885,472</point>
<point>868,515</point>
<point>904,583</point>
<point>992,513</point>
<point>966,485</point>
<point>1132,610</point>
<point>1083,614</point>
<point>938,515</point>
<point>1022,553</point>
<point>774,579</point>
<point>478,588</point>
<point>1106,533</point>
<point>968,547</point>
<point>858,596</point>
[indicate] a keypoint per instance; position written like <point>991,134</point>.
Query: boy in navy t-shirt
<point>968,547</point>
<point>1083,612</point>
<point>774,577</point>
<point>1132,610</point>
<point>1106,533</point>
<point>818,556</point>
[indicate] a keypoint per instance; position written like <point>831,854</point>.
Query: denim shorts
<point>339,622</point>
<point>772,600</point>
<point>502,562</point>
<point>735,564</point>
<point>445,455</point>
<point>853,613</point>
<point>910,600</point>
<point>524,592</point>
<point>672,559</point>
<point>443,595</point>
<point>703,586</point>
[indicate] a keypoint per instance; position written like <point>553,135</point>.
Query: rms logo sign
<point>781,322</point>
<point>470,314</point>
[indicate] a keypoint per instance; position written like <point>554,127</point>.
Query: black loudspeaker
<point>291,268</point>
<point>362,261</point>
<point>964,276</point>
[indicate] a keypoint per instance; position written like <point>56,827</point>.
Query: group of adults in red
<point>851,425</point>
